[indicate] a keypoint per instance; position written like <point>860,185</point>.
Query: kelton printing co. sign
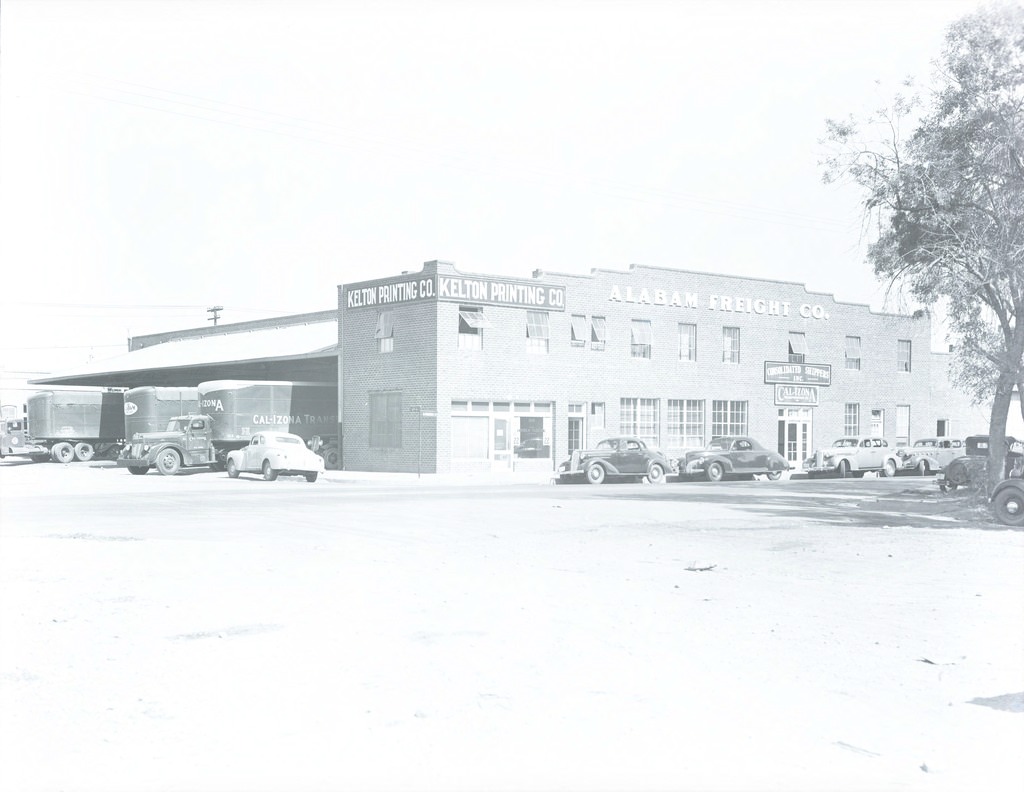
<point>513,294</point>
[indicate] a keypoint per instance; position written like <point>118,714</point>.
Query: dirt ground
<point>202,634</point>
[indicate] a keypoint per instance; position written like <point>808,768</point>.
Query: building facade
<point>443,371</point>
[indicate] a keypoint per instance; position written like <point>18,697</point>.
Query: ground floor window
<point>640,417</point>
<point>902,424</point>
<point>685,423</point>
<point>386,420</point>
<point>728,418</point>
<point>851,420</point>
<point>470,435</point>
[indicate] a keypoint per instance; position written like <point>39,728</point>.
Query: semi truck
<point>230,412</point>
<point>75,425</point>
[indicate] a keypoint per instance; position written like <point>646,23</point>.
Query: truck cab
<point>187,442</point>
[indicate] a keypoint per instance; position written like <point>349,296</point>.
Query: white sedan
<point>274,453</point>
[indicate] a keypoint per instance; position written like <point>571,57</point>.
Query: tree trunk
<point>997,429</point>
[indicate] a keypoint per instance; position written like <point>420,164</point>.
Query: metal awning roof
<point>304,351</point>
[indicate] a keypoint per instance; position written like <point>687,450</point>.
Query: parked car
<point>732,456</point>
<point>617,458</point>
<point>273,454</point>
<point>970,467</point>
<point>929,455</point>
<point>854,456</point>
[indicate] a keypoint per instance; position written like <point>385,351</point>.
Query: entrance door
<point>502,447</point>
<point>795,434</point>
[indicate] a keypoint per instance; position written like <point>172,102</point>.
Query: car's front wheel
<point>715,471</point>
<point>922,468</point>
<point>843,469</point>
<point>889,469</point>
<point>656,474</point>
<point>269,474</point>
<point>774,475</point>
<point>595,474</point>
<point>1008,504</point>
<point>232,469</point>
<point>311,477</point>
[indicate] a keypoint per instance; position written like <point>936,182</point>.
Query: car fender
<point>609,468</point>
<point>1008,484</point>
<point>725,462</point>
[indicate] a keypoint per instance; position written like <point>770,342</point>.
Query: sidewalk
<point>434,479</point>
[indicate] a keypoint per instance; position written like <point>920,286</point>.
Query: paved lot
<point>389,632</point>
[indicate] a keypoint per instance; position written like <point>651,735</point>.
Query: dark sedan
<point>732,456</point>
<point>622,458</point>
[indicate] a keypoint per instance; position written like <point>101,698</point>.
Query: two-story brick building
<point>443,371</point>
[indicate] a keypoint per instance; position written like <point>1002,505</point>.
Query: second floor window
<point>578,332</point>
<point>903,356</point>
<point>797,347</point>
<point>640,339</point>
<point>730,345</point>
<point>385,331</point>
<point>537,332</point>
<point>687,342</point>
<point>471,327</point>
<point>853,353</point>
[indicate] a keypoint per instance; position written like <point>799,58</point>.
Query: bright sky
<point>159,157</point>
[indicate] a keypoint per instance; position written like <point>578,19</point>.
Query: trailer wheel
<point>168,462</point>
<point>138,471</point>
<point>269,474</point>
<point>84,452</point>
<point>63,453</point>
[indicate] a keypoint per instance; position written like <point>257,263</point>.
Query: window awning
<point>265,345</point>
<point>475,319</point>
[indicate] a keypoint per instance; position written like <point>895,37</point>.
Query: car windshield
<point>613,444</point>
<point>177,424</point>
<point>846,442</point>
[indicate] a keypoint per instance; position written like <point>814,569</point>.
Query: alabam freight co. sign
<point>515,294</point>
<point>716,302</point>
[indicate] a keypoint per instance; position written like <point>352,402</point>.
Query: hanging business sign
<point>479,291</point>
<point>796,395</point>
<point>776,372</point>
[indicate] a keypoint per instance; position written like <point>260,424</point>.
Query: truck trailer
<point>149,408</point>
<point>230,412</point>
<point>75,425</point>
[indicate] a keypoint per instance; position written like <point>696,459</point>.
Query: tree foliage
<point>945,203</point>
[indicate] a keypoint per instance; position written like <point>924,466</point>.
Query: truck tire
<point>84,452</point>
<point>311,477</point>
<point>168,462</point>
<point>269,474</point>
<point>331,458</point>
<point>63,453</point>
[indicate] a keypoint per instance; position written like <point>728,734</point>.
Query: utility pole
<point>215,310</point>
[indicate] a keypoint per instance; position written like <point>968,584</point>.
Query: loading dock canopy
<point>306,352</point>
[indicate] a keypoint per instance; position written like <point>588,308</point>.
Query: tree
<point>944,207</point>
